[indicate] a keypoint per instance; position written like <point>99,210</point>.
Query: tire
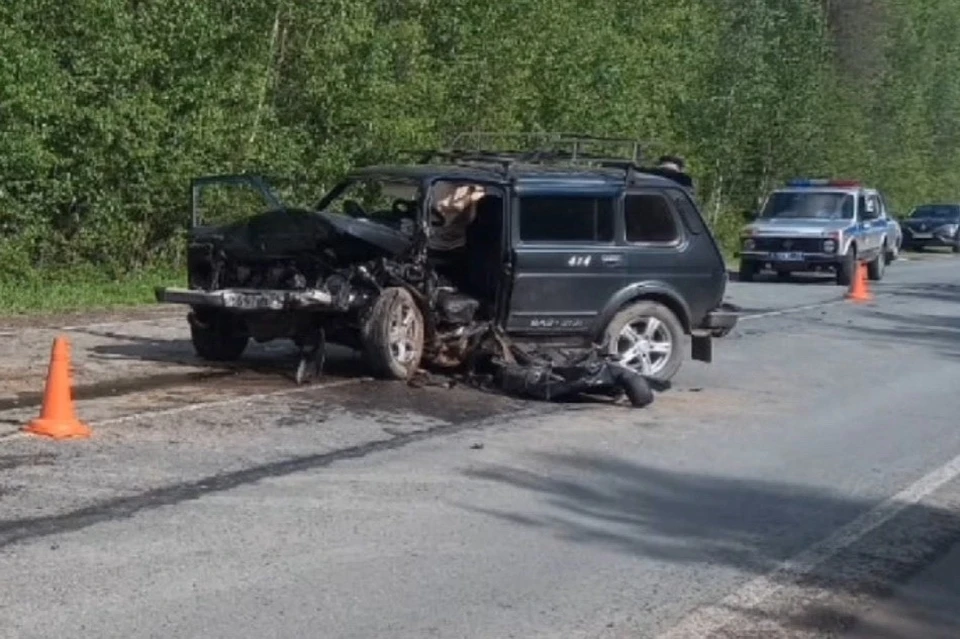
<point>847,269</point>
<point>217,339</point>
<point>637,390</point>
<point>748,270</point>
<point>657,365</point>
<point>392,335</point>
<point>877,265</point>
<point>893,254</point>
<point>956,244</point>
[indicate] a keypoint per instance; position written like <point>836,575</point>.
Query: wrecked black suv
<point>410,263</point>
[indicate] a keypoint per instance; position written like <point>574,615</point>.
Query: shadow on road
<point>749,525</point>
<point>279,358</point>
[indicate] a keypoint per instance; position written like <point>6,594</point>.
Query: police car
<point>820,225</point>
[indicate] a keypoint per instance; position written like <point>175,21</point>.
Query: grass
<point>64,292</point>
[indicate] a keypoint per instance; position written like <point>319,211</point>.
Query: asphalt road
<point>777,492</point>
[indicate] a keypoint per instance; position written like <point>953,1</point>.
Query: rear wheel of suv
<point>216,337</point>
<point>648,338</point>
<point>393,335</point>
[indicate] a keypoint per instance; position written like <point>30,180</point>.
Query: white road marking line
<point>713,618</point>
<point>224,402</point>
<point>792,309</point>
<point>81,327</point>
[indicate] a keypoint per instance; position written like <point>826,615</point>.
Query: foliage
<point>109,107</point>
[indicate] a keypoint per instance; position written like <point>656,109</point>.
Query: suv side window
<point>553,218</point>
<point>649,219</point>
<point>872,209</point>
<point>688,212</point>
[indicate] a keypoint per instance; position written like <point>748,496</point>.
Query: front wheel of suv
<point>647,337</point>
<point>393,334</point>
<point>216,337</point>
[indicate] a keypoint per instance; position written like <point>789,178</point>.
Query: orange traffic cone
<point>57,417</point>
<point>858,287</point>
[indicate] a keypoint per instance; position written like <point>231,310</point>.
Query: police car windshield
<point>937,212</point>
<point>821,205</point>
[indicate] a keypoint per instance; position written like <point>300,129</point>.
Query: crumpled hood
<point>797,227</point>
<point>287,232</point>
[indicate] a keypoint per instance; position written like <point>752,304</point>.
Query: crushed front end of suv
<point>820,225</point>
<point>565,273</point>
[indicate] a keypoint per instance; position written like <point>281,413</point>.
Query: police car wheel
<point>747,271</point>
<point>876,266</point>
<point>893,253</point>
<point>847,268</point>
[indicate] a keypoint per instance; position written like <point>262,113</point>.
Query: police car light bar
<point>819,182</point>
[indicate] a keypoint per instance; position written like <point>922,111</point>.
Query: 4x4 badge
<point>579,260</point>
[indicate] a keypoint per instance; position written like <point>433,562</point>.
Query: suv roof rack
<point>547,149</point>
<point>480,147</point>
<point>572,145</point>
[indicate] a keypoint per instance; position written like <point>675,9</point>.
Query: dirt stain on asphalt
<point>121,387</point>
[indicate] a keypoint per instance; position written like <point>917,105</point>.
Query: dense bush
<point>108,107</point>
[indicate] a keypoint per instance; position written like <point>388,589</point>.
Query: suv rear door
<point>661,248</point>
<point>566,263</point>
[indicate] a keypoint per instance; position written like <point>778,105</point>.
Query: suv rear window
<point>649,219</point>
<point>549,218</point>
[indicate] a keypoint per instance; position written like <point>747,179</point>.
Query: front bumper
<point>796,261</point>
<point>239,299</point>
<point>928,239</point>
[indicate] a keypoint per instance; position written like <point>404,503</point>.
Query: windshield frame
<point>350,181</point>
<point>841,194</point>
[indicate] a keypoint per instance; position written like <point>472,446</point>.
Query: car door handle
<point>611,260</point>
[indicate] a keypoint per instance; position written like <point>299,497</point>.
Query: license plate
<point>923,236</point>
<point>788,257</point>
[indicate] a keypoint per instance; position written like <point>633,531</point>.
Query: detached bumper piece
<point>238,299</point>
